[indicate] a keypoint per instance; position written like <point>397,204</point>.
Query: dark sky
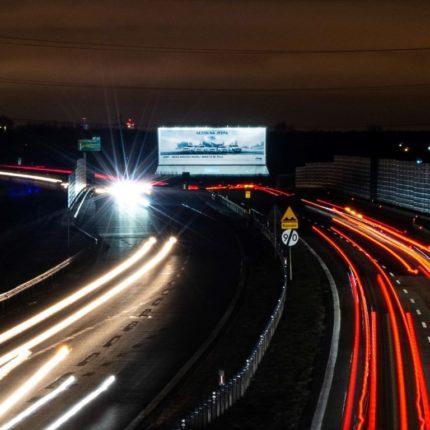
<point>244,49</point>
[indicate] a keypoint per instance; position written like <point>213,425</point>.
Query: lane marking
<point>320,410</point>
<point>405,290</point>
<point>424,324</point>
<point>412,300</point>
<point>418,312</point>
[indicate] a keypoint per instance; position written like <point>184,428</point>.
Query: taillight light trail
<point>401,391</point>
<point>401,260</point>
<point>373,392</point>
<point>421,389</point>
<point>360,310</point>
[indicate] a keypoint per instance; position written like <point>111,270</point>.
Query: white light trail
<point>94,304</point>
<point>82,403</point>
<point>81,203</point>
<point>38,404</point>
<point>84,291</point>
<point>33,177</point>
<point>15,362</point>
<point>30,383</point>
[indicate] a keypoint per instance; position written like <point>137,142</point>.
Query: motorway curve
<point>98,351</point>
<point>387,281</point>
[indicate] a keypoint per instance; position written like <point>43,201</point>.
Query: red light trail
<point>360,308</point>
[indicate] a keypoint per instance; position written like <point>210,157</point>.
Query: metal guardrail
<point>233,206</point>
<point>223,398</point>
<point>36,280</point>
<point>55,269</point>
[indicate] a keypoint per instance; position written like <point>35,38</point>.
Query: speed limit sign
<point>290,237</point>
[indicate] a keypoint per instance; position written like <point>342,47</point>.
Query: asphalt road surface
<point>382,272</point>
<point>144,334</point>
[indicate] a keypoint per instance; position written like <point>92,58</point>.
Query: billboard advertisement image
<point>206,150</point>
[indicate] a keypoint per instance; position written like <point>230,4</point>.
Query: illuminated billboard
<point>212,151</point>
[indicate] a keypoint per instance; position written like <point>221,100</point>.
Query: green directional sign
<point>90,145</point>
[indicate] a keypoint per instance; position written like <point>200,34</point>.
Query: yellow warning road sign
<point>247,194</point>
<point>289,220</point>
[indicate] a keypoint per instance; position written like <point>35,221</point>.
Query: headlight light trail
<point>84,291</point>
<point>82,403</point>
<point>33,177</point>
<point>94,304</point>
<point>37,377</point>
<point>38,404</point>
<point>15,362</point>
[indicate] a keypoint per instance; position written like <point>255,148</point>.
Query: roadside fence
<point>223,398</point>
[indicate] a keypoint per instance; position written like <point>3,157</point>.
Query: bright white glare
<point>15,362</point>
<point>33,177</point>
<point>94,304</point>
<point>82,403</point>
<point>130,193</point>
<point>100,190</point>
<point>84,291</point>
<point>38,404</point>
<point>31,382</point>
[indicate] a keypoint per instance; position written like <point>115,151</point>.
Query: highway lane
<point>145,335</point>
<point>382,372</point>
<point>399,368</point>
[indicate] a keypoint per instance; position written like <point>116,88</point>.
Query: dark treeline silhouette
<point>56,145</point>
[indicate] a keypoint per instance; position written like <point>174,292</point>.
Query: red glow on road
<point>360,304</point>
<point>37,169</point>
<point>400,235</point>
<point>395,243</point>
<point>325,202</point>
<point>422,401</point>
<point>347,418</point>
<point>373,374</point>
<point>269,190</point>
<point>402,261</point>
<point>370,222</point>
<point>421,388</point>
<point>401,390</point>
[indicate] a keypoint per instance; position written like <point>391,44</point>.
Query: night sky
<point>230,62</point>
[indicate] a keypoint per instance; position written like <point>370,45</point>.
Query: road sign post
<point>90,145</point>
<point>289,236</point>
<point>289,220</point>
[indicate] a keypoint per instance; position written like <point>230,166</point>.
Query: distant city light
<point>84,123</point>
<point>130,124</point>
